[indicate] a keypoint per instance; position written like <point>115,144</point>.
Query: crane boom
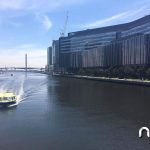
<point>62,34</point>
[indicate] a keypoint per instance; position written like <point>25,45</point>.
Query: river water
<point>73,114</point>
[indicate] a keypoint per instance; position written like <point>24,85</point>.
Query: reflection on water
<point>63,114</point>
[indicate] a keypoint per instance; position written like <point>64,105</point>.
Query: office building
<point>49,65</point>
<point>117,45</point>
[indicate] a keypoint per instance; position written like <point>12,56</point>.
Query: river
<point>55,113</point>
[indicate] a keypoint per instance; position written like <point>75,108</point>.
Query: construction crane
<point>63,31</point>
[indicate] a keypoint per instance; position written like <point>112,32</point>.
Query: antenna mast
<point>26,62</point>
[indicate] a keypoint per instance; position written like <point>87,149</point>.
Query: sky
<point>29,26</point>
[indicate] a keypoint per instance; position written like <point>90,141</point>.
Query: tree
<point>128,72</point>
<point>140,72</point>
<point>147,72</point>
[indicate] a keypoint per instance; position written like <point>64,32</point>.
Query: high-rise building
<point>123,44</point>
<point>49,66</point>
<point>55,54</point>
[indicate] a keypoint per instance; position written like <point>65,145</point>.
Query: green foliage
<point>129,72</point>
<point>148,73</point>
<point>81,72</point>
<point>133,72</point>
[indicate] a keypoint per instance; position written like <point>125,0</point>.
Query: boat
<point>7,99</point>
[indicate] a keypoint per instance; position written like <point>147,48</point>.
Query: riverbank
<point>105,79</point>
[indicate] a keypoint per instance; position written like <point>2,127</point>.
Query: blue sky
<point>29,26</point>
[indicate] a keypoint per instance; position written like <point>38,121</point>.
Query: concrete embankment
<point>114,80</point>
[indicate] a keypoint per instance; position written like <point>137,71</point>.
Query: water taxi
<point>7,99</point>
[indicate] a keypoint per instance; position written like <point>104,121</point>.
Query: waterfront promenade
<point>105,79</point>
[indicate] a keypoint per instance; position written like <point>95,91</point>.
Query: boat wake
<point>15,85</point>
<point>19,94</point>
<point>20,85</point>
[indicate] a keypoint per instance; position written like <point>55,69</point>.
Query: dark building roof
<point>113,28</point>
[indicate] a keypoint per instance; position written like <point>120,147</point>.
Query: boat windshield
<point>13,97</point>
<point>5,98</point>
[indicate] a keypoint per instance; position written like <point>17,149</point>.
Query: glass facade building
<point>124,44</point>
<point>55,54</point>
<point>49,56</point>
<point>49,59</point>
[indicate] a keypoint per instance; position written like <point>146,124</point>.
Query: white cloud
<point>14,24</point>
<point>118,17</point>
<point>16,56</point>
<point>104,21</point>
<point>47,22</point>
<point>41,5</point>
<point>11,10</point>
<point>44,20</point>
<point>27,46</point>
<point>11,4</point>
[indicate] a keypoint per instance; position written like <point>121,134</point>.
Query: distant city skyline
<point>29,26</point>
